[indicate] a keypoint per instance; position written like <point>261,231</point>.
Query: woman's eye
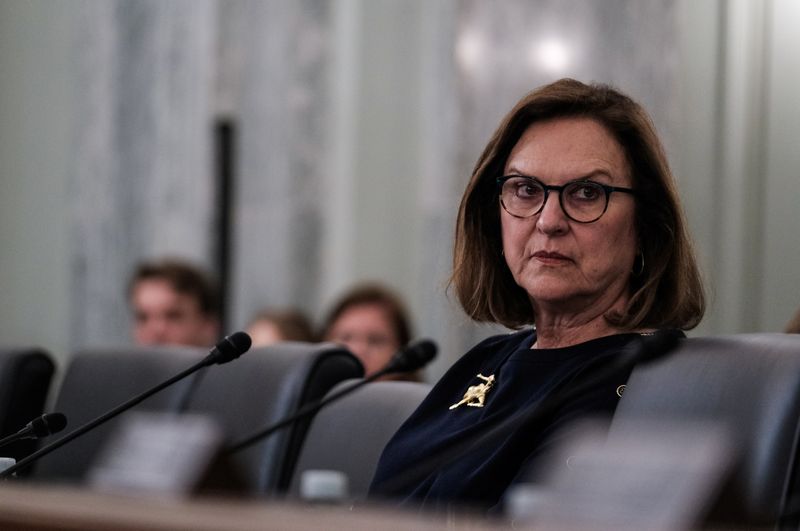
<point>527,190</point>
<point>585,192</point>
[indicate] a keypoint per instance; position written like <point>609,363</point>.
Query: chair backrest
<point>25,376</point>
<point>262,387</point>
<point>97,381</point>
<point>350,434</point>
<point>751,384</point>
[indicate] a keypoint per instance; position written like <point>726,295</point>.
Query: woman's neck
<point>550,335</point>
<point>556,328</point>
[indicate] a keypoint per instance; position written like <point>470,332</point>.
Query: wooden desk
<point>28,508</point>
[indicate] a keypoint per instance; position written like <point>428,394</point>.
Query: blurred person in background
<point>793,327</point>
<point>370,320</point>
<point>173,302</point>
<point>272,325</point>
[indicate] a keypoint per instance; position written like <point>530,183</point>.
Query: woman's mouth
<point>547,257</point>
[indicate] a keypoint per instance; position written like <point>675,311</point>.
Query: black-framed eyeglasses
<point>583,201</point>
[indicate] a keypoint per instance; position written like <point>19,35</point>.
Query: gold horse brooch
<point>476,394</point>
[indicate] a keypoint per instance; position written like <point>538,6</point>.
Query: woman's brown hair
<point>667,293</point>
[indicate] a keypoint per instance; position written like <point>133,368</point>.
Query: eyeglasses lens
<point>582,201</point>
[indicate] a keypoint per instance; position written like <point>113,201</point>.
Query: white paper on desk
<point>654,476</point>
<point>157,453</point>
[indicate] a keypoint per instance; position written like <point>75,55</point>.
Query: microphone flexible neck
<point>305,411</point>
<point>77,432</point>
<point>410,358</point>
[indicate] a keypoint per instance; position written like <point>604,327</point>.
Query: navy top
<point>524,378</point>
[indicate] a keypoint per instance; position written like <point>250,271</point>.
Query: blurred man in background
<point>173,302</point>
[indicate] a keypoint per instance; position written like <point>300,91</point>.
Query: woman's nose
<point>552,218</point>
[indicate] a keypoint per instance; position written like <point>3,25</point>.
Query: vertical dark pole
<point>225,144</point>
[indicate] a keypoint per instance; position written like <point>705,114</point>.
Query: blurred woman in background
<point>372,322</point>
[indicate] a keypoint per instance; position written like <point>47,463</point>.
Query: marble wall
<point>141,182</point>
<point>357,126</point>
<point>280,189</point>
<point>358,122</point>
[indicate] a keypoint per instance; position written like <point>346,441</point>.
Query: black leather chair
<point>25,376</point>
<point>260,388</point>
<point>751,384</point>
<point>95,382</point>
<point>350,434</point>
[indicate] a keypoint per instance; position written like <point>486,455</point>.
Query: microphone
<point>649,348</point>
<point>230,348</point>
<point>415,356</point>
<point>43,426</point>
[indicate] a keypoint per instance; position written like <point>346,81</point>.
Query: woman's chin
<point>551,291</point>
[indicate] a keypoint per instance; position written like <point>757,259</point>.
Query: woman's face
<point>366,330</point>
<point>568,267</point>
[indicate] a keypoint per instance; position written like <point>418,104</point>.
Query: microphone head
<point>414,356</point>
<point>48,424</point>
<point>230,348</point>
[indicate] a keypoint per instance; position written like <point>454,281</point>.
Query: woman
<point>272,325</point>
<point>794,325</point>
<point>570,223</point>
<point>372,322</point>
